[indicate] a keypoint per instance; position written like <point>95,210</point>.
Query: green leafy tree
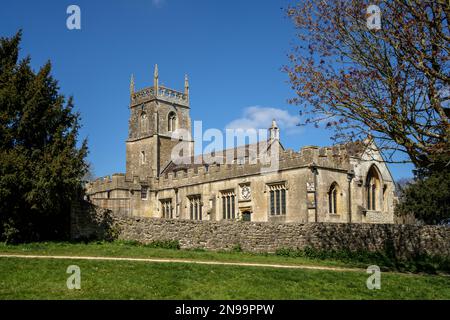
<point>41,166</point>
<point>427,198</point>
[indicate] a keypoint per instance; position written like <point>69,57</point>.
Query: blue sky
<point>233,52</point>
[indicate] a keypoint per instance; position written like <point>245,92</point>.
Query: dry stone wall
<point>405,240</point>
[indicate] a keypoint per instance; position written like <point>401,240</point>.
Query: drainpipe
<point>315,172</point>
<point>177,204</point>
<point>350,176</point>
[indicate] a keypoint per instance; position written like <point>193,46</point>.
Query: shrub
<point>10,233</point>
<point>132,243</point>
<point>237,248</point>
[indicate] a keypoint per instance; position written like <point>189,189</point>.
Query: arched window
<point>143,157</point>
<point>333,199</point>
<point>144,122</point>
<point>172,119</point>
<point>373,184</point>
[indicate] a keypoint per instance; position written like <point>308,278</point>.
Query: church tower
<point>156,112</point>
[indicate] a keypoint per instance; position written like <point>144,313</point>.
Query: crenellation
<point>163,93</point>
<point>179,174</point>
<point>294,188</point>
<point>322,152</point>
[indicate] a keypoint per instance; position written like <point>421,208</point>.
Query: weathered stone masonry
<point>405,240</point>
<point>341,183</point>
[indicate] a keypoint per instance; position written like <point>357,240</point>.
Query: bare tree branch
<point>392,83</point>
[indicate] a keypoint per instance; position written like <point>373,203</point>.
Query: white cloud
<point>257,117</point>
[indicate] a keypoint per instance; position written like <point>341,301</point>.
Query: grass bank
<point>170,249</point>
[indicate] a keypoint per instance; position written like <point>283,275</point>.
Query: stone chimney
<point>274,132</point>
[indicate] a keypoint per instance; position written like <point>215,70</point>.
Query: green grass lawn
<point>46,279</point>
<point>128,249</point>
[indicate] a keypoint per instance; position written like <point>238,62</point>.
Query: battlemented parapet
<point>159,92</point>
<point>258,182</point>
<point>163,93</point>
<point>329,157</point>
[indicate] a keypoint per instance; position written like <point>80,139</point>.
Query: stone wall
<point>405,240</point>
<point>89,222</point>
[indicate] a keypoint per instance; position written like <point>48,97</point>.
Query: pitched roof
<point>199,160</point>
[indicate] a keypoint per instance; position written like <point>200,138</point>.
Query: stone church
<point>341,183</point>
